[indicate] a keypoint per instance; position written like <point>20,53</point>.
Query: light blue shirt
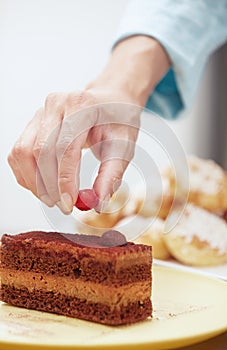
<point>189,30</point>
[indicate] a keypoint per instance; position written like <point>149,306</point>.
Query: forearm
<point>136,65</point>
<point>189,31</point>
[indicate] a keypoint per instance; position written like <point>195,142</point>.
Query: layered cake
<point>102,279</point>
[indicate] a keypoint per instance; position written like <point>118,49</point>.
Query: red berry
<point>86,200</point>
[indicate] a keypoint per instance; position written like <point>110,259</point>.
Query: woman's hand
<point>105,117</point>
<point>46,158</point>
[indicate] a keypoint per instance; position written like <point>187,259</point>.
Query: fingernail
<point>47,200</point>
<point>66,203</point>
<point>103,204</point>
<point>116,184</point>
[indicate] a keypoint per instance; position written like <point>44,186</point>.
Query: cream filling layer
<point>90,291</point>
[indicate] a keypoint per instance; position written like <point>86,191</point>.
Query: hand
<point>104,117</point>
<point>46,158</point>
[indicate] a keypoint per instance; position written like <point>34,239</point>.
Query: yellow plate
<point>188,308</point>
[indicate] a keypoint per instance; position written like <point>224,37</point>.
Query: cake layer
<point>58,255</point>
<point>87,277</point>
<point>90,291</point>
<point>74,307</point>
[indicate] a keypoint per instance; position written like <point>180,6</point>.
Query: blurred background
<point>61,45</point>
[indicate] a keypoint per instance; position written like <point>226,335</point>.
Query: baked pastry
<point>208,184</point>
<point>199,238</point>
<point>101,279</point>
<point>160,205</point>
<point>145,230</point>
<point>155,200</point>
<point>154,236</point>
<point>97,223</point>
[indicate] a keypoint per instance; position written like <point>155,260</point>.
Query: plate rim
<point>173,344</point>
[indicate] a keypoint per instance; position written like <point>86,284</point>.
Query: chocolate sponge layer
<point>74,307</point>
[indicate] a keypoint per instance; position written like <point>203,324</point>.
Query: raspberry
<point>86,200</point>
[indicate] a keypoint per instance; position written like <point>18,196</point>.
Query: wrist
<point>135,67</point>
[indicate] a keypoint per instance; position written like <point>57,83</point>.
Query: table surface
<point>216,343</point>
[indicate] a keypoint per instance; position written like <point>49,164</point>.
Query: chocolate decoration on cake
<point>113,238</point>
<point>110,238</point>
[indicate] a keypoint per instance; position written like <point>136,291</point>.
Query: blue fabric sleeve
<point>189,31</point>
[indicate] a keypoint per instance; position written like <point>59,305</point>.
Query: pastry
<point>101,279</point>
<point>207,184</point>
<point>155,200</point>
<point>199,238</point>
<point>154,236</point>
<point>97,223</point>
<point>145,230</point>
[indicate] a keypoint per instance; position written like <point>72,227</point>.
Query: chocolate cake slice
<point>101,279</point>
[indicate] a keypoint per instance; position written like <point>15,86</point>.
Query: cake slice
<point>101,279</point>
